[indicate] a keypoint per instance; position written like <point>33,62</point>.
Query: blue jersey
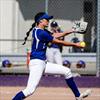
<point>39,44</point>
<point>53,45</point>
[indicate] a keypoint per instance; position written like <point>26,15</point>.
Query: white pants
<point>54,55</point>
<point>37,67</point>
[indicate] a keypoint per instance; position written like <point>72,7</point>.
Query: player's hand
<point>81,44</point>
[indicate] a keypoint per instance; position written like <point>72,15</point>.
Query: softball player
<point>53,52</point>
<point>38,63</point>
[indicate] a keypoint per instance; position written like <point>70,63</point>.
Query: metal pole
<point>46,6</point>
<point>98,39</point>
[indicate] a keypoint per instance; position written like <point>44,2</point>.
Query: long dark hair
<point>37,16</point>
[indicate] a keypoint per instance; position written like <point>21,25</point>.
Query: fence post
<point>98,39</point>
<point>46,6</point>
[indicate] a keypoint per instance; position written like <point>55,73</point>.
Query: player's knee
<point>28,91</point>
<point>68,73</point>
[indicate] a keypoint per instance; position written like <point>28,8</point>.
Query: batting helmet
<point>81,64</point>
<point>6,63</point>
<point>66,63</point>
<point>54,24</point>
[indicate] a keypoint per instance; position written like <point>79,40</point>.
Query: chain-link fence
<point>65,12</point>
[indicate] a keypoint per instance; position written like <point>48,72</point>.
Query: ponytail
<point>37,19</point>
<point>28,33</point>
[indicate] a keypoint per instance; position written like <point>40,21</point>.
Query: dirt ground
<point>47,93</point>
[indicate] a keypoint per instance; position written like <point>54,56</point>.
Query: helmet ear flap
<point>81,64</point>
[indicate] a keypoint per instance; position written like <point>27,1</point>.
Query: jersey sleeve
<point>45,36</point>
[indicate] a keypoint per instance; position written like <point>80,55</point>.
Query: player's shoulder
<point>48,32</point>
<point>44,32</point>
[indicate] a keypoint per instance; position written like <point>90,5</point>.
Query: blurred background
<point>17,16</point>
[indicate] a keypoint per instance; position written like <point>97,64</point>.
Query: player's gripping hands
<point>65,43</point>
<point>81,44</point>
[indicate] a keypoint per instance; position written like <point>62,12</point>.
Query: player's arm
<point>66,43</point>
<point>58,35</point>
